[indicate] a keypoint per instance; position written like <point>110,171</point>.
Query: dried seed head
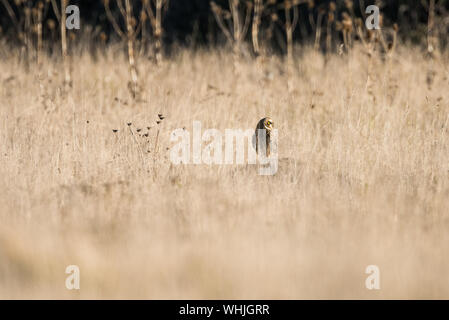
<point>349,4</point>
<point>311,4</point>
<point>103,36</point>
<point>347,22</point>
<point>51,24</point>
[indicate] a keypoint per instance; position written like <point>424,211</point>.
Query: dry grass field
<point>369,183</point>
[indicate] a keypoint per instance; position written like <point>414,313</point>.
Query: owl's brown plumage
<point>267,124</point>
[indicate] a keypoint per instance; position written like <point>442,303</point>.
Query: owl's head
<point>268,124</point>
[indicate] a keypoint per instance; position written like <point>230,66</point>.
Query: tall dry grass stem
<point>155,12</point>
<point>129,35</point>
<point>60,13</point>
<point>236,31</point>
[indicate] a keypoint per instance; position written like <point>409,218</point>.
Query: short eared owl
<point>267,125</point>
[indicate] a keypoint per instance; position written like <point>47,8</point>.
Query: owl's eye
<point>268,123</point>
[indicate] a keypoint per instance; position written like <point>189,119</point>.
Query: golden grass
<point>371,185</point>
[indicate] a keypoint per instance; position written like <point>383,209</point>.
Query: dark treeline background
<point>191,22</point>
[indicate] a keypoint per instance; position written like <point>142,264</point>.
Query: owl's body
<point>286,166</point>
<point>265,124</point>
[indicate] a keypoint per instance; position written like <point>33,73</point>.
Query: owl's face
<point>268,124</point>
